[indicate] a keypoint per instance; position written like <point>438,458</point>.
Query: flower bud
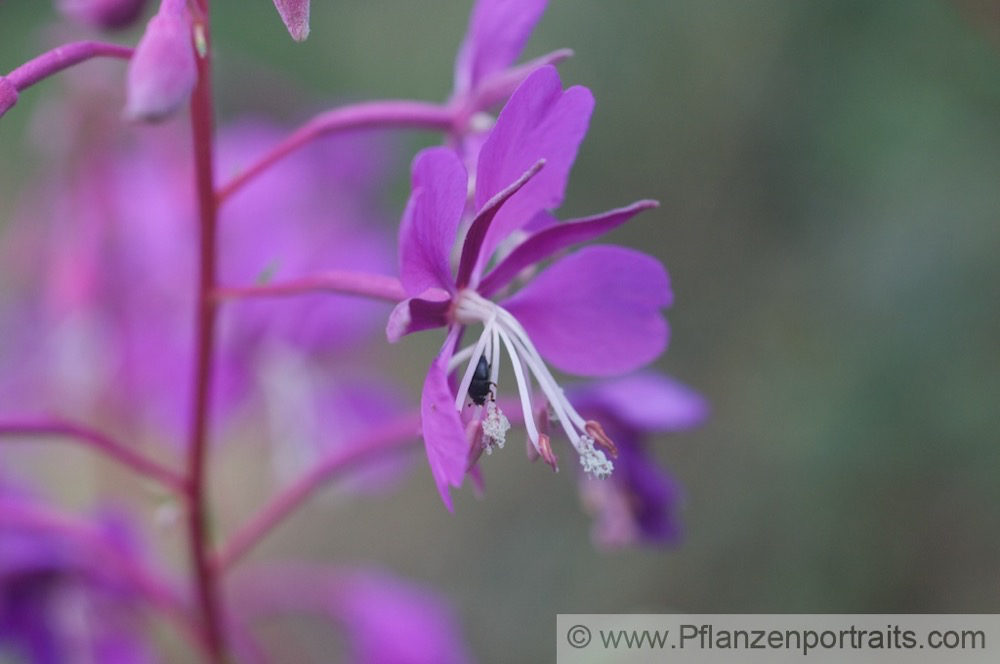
<point>295,14</point>
<point>103,14</point>
<point>163,71</point>
<point>8,95</point>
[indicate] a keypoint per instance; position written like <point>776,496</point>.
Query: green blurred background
<point>829,180</point>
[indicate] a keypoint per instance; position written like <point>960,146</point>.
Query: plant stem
<point>101,442</point>
<point>376,114</point>
<point>63,57</point>
<point>202,120</point>
<point>375,286</point>
<point>399,434</point>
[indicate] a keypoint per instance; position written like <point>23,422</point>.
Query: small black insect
<point>480,387</point>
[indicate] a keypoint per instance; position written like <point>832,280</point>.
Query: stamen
<point>500,327</point>
<point>495,427</point>
<point>545,444</point>
<point>594,461</point>
<point>522,388</point>
<point>601,439</point>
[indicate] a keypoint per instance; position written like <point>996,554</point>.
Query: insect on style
<point>481,387</point>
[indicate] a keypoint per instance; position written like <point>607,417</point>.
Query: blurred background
<point>830,206</point>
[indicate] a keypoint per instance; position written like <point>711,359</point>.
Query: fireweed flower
<point>58,603</point>
<point>108,328</point>
<point>104,14</point>
<point>594,312</point>
<point>162,72</point>
<point>639,504</point>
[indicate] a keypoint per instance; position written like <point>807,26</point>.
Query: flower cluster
<point>170,288</point>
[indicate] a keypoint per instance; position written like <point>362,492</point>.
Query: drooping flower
<point>639,504</point>
<point>163,71</point>
<point>593,312</point>
<point>104,14</point>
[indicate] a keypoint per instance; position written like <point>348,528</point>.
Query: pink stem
<point>397,435</point>
<point>377,286</point>
<point>23,515</point>
<point>378,114</point>
<point>61,58</point>
<point>98,441</point>
<point>203,131</point>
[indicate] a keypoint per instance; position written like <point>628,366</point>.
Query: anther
<point>494,427</point>
<point>601,440</point>
<point>545,446</point>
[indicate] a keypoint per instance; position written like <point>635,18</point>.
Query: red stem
<point>202,120</point>
<point>376,114</point>
<point>396,435</point>
<point>102,443</point>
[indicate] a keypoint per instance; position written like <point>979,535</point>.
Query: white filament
<point>500,326</point>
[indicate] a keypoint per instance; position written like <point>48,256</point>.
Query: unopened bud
<point>103,14</point>
<point>163,71</point>
<point>295,14</point>
<point>8,95</point>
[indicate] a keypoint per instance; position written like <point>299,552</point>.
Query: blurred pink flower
<point>109,305</point>
<point>639,504</point>
<point>163,71</point>
<point>60,600</point>
<point>104,14</point>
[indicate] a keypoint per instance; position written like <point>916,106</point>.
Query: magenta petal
<point>163,71</point>
<point>444,435</point>
<point>545,243</point>
<point>430,223</point>
<point>395,622</point>
<point>644,401</point>
<point>481,226</point>
<point>597,312</point>
<point>539,122</point>
<point>414,315</point>
<point>295,14</point>
<point>498,30</point>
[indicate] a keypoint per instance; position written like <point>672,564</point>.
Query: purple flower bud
<point>163,71</point>
<point>104,14</point>
<point>295,14</point>
<point>8,95</point>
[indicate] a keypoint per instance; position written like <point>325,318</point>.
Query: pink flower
<point>594,312</point>
<point>163,71</point>
<point>639,504</point>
